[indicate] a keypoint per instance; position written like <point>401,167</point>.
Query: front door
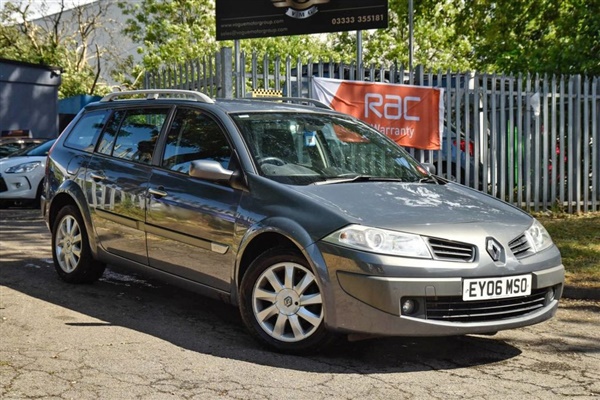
<point>190,222</point>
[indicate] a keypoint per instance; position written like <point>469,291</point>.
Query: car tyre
<point>36,203</point>
<point>281,303</point>
<point>71,250</point>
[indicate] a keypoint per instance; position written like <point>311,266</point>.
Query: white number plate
<point>496,288</point>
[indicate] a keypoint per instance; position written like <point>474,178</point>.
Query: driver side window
<point>194,136</point>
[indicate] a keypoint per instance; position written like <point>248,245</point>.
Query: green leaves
<point>59,40</point>
<point>541,36</point>
<point>535,36</point>
<point>171,31</point>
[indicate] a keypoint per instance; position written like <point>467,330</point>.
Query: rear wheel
<point>71,250</point>
<point>282,304</point>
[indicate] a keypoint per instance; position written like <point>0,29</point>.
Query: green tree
<point>544,36</point>
<point>436,45</point>
<point>481,35</point>
<point>63,39</point>
<point>172,32</point>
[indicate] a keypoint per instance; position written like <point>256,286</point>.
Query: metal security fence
<point>533,141</point>
<point>209,75</point>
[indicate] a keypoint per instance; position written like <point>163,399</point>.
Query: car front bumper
<point>16,187</point>
<point>363,298</point>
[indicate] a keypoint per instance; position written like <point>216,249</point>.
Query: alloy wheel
<point>287,302</point>
<point>68,244</point>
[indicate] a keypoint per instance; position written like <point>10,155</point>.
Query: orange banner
<point>412,116</point>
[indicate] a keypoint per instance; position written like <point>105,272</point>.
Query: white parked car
<point>22,175</point>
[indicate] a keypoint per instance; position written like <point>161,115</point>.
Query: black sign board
<point>244,19</point>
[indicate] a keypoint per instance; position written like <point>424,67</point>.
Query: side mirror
<point>213,171</point>
<point>429,167</point>
<point>210,170</point>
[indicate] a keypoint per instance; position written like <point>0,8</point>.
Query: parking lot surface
<point>128,337</point>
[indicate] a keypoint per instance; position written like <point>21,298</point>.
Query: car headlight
<point>380,241</point>
<point>538,236</point>
<point>23,168</point>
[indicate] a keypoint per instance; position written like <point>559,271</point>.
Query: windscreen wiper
<point>358,178</point>
<point>429,179</point>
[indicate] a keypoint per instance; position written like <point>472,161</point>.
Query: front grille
<point>3,187</point>
<point>452,251</point>
<point>520,246</point>
<point>454,309</point>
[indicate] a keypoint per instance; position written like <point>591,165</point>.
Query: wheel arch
<point>273,232</point>
<point>71,194</point>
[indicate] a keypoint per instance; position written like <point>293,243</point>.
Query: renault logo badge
<point>494,249</point>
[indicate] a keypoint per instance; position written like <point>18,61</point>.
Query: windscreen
<point>303,149</point>
<point>38,150</point>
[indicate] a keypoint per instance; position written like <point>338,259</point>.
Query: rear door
<point>190,222</point>
<point>118,175</point>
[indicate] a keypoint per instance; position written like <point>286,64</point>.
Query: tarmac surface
<point>128,337</point>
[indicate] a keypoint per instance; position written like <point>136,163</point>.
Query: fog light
<point>550,294</point>
<point>408,307</point>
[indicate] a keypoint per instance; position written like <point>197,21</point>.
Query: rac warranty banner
<point>412,116</point>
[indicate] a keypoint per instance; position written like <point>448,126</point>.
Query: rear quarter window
<point>85,133</point>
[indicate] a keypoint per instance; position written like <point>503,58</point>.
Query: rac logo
<point>390,106</point>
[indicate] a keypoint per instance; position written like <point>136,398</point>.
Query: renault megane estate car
<point>310,221</point>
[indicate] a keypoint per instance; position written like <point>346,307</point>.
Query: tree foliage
<point>436,45</point>
<point>62,39</point>
<point>544,36</point>
<point>484,35</point>
<point>172,32</point>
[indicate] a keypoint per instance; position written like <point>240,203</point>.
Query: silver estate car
<point>310,221</point>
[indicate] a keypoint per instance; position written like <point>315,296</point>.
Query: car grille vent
<point>3,187</point>
<point>454,309</point>
<point>520,246</point>
<point>452,251</point>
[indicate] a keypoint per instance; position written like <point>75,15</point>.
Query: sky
<point>47,7</point>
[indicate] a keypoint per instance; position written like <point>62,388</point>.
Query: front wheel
<point>282,304</point>
<point>71,250</point>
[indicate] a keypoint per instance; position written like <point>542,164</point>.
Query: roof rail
<point>152,94</point>
<point>297,100</point>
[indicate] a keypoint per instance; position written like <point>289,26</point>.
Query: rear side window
<point>84,135</point>
<point>132,134</point>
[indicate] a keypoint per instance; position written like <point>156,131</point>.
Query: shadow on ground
<point>208,326</point>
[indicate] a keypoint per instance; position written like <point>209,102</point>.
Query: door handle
<point>157,192</point>
<point>97,176</point>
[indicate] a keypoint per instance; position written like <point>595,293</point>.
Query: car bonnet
<point>415,207</point>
